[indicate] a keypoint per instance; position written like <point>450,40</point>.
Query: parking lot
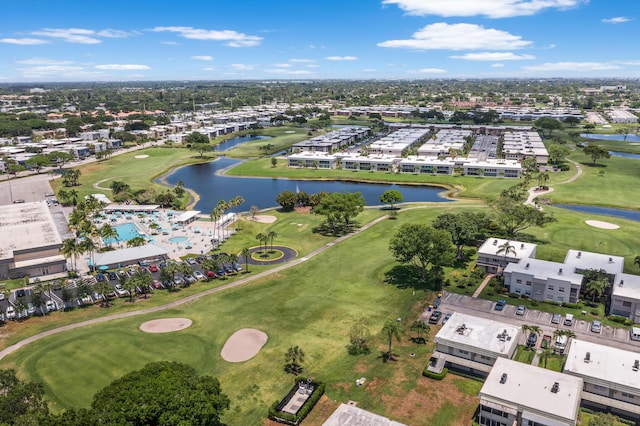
<point>608,335</point>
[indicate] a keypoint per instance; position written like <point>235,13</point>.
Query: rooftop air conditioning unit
<point>636,365</point>
<point>587,357</point>
<point>503,378</point>
<point>556,387</point>
<point>579,254</point>
<point>526,266</point>
<point>560,271</point>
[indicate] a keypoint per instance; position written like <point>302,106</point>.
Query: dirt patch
<point>303,210</point>
<point>263,218</point>
<point>243,345</point>
<point>165,325</point>
<point>141,156</point>
<point>601,225</point>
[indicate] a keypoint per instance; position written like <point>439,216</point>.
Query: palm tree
<point>391,329</point>
<point>215,215</point>
<point>136,242</point>
<point>506,248</point>
<point>108,233</point>
<point>104,288</point>
<point>636,261</point>
<point>526,328</point>
<point>271,235</point>
<point>596,287</point>
<point>422,329</point>
<point>71,249</point>
<point>545,355</point>
<point>246,252</point>
<point>261,237</point>
<point>87,245</point>
<point>542,178</point>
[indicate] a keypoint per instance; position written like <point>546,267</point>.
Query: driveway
<point>610,336</point>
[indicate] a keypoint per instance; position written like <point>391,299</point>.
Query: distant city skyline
<point>67,41</point>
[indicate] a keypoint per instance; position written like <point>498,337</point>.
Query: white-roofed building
<point>611,377</point>
<point>312,159</point>
<point>516,393</point>
<point>497,253</point>
<point>349,415</point>
<point>472,344</point>
<point>625,297</point>
<point>129,256</point>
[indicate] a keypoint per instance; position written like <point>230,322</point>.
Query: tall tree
<point>421,329</point>
<point>21,402</point>
<point>358,338</point>
<point>161,393</point>
<point>595,152</point>
<point>466,228</point>
<point>293,360</point>
<point>246,254</point>
<point>423,246</point>
<point>198,142</point>
<point>391,330</point>
<point>515,217</point>
<point>391,197</point>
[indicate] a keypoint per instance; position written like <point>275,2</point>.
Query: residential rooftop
<point>26,226</point>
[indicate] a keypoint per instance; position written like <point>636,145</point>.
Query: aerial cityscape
<point>403,212</point>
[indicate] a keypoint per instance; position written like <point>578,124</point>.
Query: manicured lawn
<point>281,138</point>
<point>525,355</point>
<point>555,363</point>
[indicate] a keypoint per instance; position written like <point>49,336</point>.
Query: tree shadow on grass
<point>406,276</point>
<point>326,230</point>
<point>386,356</point>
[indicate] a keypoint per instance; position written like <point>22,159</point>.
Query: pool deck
<point>199,233</point>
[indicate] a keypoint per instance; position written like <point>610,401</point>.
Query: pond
<point>238,140</point>
<point>630,137</point>
<point>605,211</point>
<point>261,192</point>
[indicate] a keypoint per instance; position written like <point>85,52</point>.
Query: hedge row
<point>435,376</point>
<point>291,419</point>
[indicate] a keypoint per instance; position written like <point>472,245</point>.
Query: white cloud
<point>113,33</point>
<point>432,71</point>
<point>288,72</point>
<point>573,66</point>
<point>493,56</point>
<point>70,35</point>
<point>488,8</point>
<point>233,38</point>
<point>242,67</point>
<point>122,67</point>
<point>23,41</point>
<point>497,65</point>
<point>341,58</point>
<point>282,65</point>
<point>58,72</point>
<point>170,43</point>
<point>208,69</point>
<point>458,37</point>
<point>616,20</point>
<point>43,61</point>
<point>202,58</point>
<point>369,70</point>
<point>303,61</point>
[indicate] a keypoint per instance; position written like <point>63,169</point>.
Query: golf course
<point>313,304</point>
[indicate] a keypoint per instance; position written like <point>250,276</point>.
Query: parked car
<point>178,281</point>
<point>11,312</point>
<point>445,319</point>
<point>50,306</point>
<point>157,284</point>
<point>198,275</point>
<point>112,276</point>
<point>211,274</point>
<point>153,268</point>
<point>189,279</point>
<point>555,318</point>
<point>435,317</point>
<point>120,292</point>
<point>191,261</point>
<point>521,310</point>
<point>100,277</point>
<point>31,310</point>
<point>500,304</point>
<point>2,296</point>
<point>596,326</point>
<point>20,293</point>
<point>237,266</point>
<point>532,340</point>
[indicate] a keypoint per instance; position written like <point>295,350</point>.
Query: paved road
<point>610,336</point>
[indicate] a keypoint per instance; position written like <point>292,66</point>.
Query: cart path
<point>10,349</point>
<point>533,193</point>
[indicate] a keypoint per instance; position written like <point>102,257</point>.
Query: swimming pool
<point>126,232</point>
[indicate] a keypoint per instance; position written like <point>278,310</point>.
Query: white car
<point>121,291</point>
<point>11,312</point>
<point>198,275</point>
<point>50,305</point>
<point>596,326</point>
<point>31,310</point>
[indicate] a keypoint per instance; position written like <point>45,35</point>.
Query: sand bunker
<point>243,345</point>
<point>264,218</point>
<point>165,325</point>
<point>141,156</point>
<point>601,225</point>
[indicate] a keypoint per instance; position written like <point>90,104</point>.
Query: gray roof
<point>129,254</point>
<point>26,226</point>
<point>349,415</point>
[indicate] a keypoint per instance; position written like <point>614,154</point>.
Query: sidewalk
<point>482,286</point>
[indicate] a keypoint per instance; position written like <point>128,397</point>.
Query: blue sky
<point>64,40</point>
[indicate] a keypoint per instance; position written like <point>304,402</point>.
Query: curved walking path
<point>97,184</point>
<point>10,349</point>
<point>533,193</point>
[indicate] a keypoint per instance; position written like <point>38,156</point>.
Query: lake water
<point>624,154</point>
<point>606,211</point>
<point>233,142</point>
<point>262,192</point>
<point>616,137</point>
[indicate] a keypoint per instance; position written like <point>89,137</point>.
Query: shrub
<point>571,305</point>
<point>282,417</point>
<point>514,295</point>
<point>534,303</point>
<point>595,312</point>
<point>435,376</point>
<point>618,319</point>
